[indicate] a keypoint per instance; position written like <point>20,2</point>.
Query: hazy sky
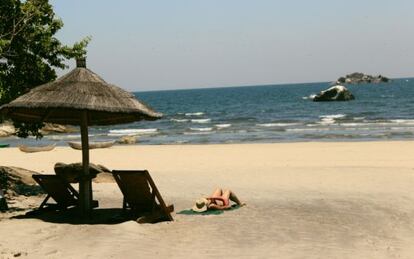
<point>155,44</point>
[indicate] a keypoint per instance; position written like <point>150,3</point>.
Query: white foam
<point>358,128</point>
<point>398,122</point>
<point>310,97</point>
<point>201,120</point>
<point>131,132</point>
<point>197,133</point>
<point>333,116</point>
<point>352,124</point>
<point>181,142</point>
<point>222,126</point>
<point>201,129</point>
<point>325,129</point>
<point>179,120</point>
<point>402,128</point>
<point>306,130</point>
<point>401,121</point>
<point>277,124</point>
<point>330,119</point>
<point>327,121</point>
<point>385,124</point>
<point>194,113</point>
<point>65,137</point>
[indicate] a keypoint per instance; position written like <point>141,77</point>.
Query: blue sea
<point>271,113</point>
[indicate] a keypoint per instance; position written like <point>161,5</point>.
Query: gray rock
<point>17,181</point>
<point>7,129</point>
<point>335,93</point>
<point>127,140</point>
<point>57,128</point>
<point>71,172</point>
<point>341,80</point>
<point>360,78</point>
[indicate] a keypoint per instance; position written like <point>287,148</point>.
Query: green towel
<point>207,212</point>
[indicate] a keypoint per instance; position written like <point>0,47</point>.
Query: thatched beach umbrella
<point>81,98</point>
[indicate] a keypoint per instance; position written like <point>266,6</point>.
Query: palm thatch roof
<point>81,89</point>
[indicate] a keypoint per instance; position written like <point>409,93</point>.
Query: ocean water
<point>273,113</point>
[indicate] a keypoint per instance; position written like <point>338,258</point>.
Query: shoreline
<point>4,140</point>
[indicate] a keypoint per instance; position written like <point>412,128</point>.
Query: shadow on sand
<point>108,216</point>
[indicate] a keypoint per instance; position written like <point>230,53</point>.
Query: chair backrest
<point>139,190</point>
<point>61,191</point>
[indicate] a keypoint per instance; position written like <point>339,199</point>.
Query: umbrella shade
<point>81,89</point>
<point>81,98</point>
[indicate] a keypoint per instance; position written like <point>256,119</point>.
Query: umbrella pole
<point>85,186</point>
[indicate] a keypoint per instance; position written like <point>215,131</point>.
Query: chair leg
<point>124,204</point>
<point>44,202</point>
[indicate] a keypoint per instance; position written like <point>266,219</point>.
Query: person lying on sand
<point>219,200</point>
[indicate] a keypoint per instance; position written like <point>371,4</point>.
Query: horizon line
<point>249,85</point>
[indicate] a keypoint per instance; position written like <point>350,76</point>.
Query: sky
<point>161,44</point>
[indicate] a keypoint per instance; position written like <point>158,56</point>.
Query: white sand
<point>305,200</point>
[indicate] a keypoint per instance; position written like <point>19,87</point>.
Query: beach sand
<point>304,200</point>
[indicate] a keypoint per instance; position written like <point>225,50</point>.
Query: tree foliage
<point>29,50</point>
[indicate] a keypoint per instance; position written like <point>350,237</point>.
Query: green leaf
<point>30,51</point>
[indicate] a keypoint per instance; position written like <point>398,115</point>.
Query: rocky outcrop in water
<point>335,93</point>
<point>7,129</point>
<point>127,140</point>
<point>360,78</point>
<point>57,128</point>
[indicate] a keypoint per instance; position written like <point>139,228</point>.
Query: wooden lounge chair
<point>141,196</point>
<point>61,191</point>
